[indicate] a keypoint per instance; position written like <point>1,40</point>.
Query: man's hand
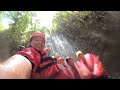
<point>58,60</point>
<point>88,66</point>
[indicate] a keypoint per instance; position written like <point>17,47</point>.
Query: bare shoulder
<point>16,66</point>
<point>18,59</point>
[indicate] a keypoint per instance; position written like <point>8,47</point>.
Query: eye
<point>39,39</point>
<point>36,39</point>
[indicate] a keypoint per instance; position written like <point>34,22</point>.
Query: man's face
<point>37,42</point>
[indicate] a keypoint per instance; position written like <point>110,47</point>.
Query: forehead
<point>37,38</point>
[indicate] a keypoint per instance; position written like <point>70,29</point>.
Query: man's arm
<point>16,67</point>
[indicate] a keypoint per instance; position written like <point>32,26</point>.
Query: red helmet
<point>38,34</point>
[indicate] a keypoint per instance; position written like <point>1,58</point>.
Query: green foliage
<point>17,33</point>
<point>22,24</point>
<point>69,19</point>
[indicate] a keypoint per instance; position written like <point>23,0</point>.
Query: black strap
<point>39,69</point>
<point>46,59</point>
<point>30,61</point>
<point>43,54</point>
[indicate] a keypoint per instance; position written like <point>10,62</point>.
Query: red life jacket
<point>44,67</point>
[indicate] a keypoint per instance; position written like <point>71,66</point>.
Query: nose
<point>40,42</point>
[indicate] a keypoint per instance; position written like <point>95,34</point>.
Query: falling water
<point>105,40</point>
<point>87,41</point>
<point>60,47</point>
